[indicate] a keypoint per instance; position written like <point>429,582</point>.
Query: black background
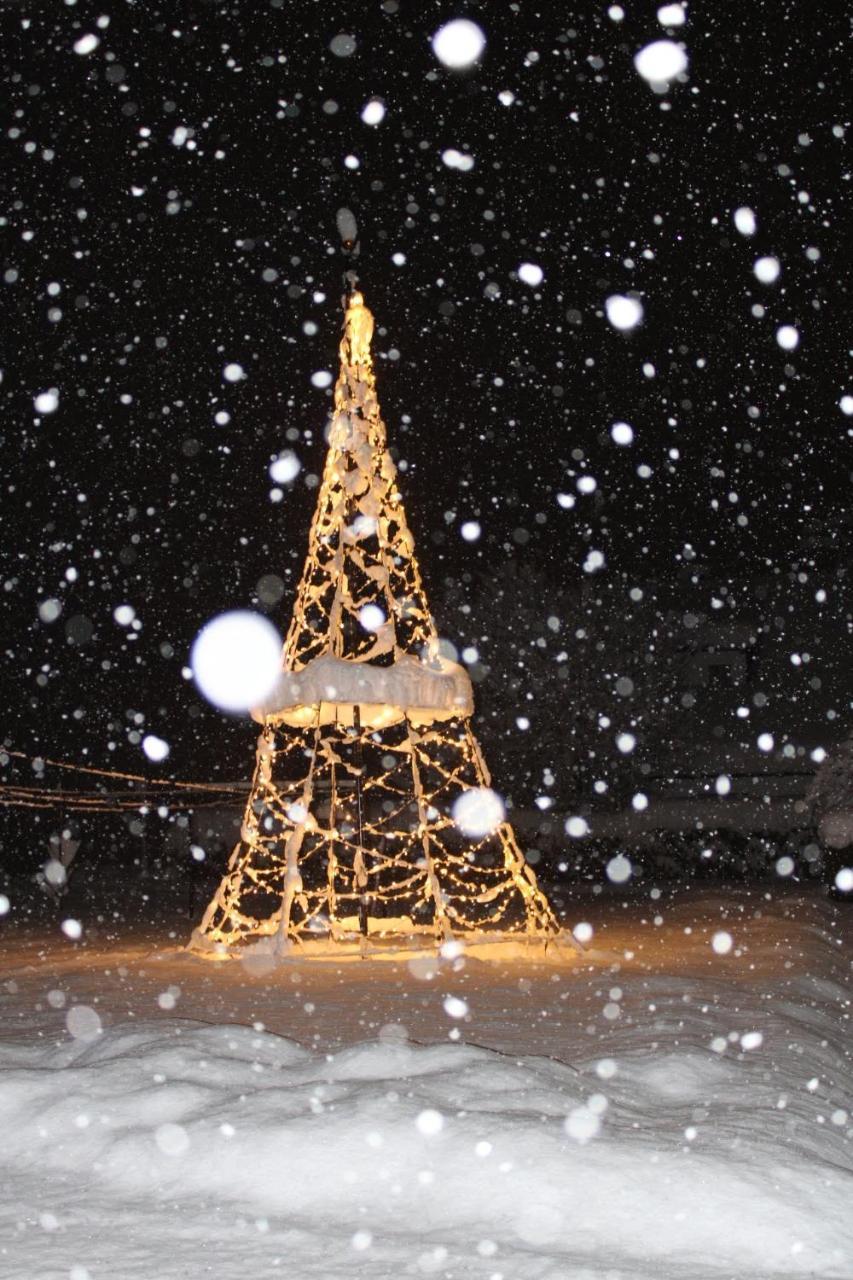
<point>584,170</point>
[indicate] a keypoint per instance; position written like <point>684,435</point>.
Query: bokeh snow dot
<point>458,43</point>
<point>583,931</point>
<point>722,942</point>
<point>766,269</point>
<point>172,1139</point>
<point>373,112</point>
<point>844,880</point>
<point>46,401</point>
<point>788,337</point>
<point>233,372</point>
<point>623,312</point>
<point>478,812</point>
<point>285,467</point>
<point>577,827</point>
<point>661,61</point>
<point>371,617</point>
<point>744,220</point>
<point>430,1122</point>
<point>530,273</point>
<point>619,869</point>
<point>622,433</point>
<point>322,378</point>
<point>582,1125</point>
<point>236,659</point>
<point>155,748</point>
<point>470,531</point>
<point>83,1022</point>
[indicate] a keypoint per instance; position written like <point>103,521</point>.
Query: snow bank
<point>177,1149</point>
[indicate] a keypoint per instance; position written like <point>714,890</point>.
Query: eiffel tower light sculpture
<point>370,820</point>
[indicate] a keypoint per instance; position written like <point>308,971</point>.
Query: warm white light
<point>661,61</point>
<point>236,659</point>
<point>458,43</point>
<point>623,312</point>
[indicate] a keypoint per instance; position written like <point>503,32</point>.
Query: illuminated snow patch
<point>46,401</point>
<point>236,659</point>
<point>458,43</point>
<point>478,812</point>
<point>530,273</point>
<point>661,61</point>
<point>744,220</point>
<point>623,312</point>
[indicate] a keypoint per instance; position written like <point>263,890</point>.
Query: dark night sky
<point>172,260</point>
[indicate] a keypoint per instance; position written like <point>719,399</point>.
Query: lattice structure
<point>366,746</point>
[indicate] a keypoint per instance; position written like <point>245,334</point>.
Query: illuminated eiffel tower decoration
<point>370,818</point>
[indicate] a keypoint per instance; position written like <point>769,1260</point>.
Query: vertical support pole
<point>360,868</point>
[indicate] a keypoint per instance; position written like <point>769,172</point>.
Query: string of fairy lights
<point>143,793</point>
<point>365,839</point>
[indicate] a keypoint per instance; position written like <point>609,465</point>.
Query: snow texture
<point>687,1122</point>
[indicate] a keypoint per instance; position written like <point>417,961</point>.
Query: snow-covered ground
<point>661,1107</point>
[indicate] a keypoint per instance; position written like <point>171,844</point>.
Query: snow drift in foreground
<point>175,1149</point>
